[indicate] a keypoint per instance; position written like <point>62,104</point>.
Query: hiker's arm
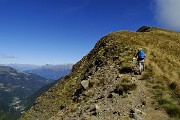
<point>136,55</point>
<point>144,57</point>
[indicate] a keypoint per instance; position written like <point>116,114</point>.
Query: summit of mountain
<point>104,85</point>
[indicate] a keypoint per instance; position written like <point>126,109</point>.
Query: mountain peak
<point>152,29</point>
<point>103,85</point>
<point>144,29</point>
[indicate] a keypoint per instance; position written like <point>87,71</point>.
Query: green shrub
<point>163,101</point>
<point>125,80</point>
<point>147,76</point>
<point>158,87</point>
<point>173,110</point>
<point>102,81</point>
<point>126,69</point>
<point>172,85</point>
<point>129,87</point>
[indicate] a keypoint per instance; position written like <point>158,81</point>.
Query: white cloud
<point>168,13</point>
<point>6,56</point>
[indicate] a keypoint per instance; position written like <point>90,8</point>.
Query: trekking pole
<point>144,65</point>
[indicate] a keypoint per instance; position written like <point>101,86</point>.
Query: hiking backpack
<point>141,54</point>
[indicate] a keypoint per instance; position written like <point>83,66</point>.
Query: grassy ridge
<point>162,70</point>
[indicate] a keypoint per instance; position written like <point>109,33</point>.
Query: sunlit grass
<point>162,71</point>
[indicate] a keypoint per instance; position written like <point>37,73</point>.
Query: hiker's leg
<point>140,67</point>
<point>143,65</point>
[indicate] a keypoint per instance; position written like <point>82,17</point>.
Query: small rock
<point>139,112</point>
<point>118,91</point>
<point>143,106</point>
<point>100,96</point>
<point>110,95</point>
<point>116,112</point>
<point>144,103</point>
<point>97,107</point>
<point>62,106</point>
<point>94,113</point>
<point>120,75</point>
<point>133,78</point>
<point>93,109</point>
<point>132,113</point>
<point>75,98</point>
<point>85,84</point>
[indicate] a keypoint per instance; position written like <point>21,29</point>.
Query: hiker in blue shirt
<point>140,58</point>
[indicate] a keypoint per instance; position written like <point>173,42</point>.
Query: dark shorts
<point>140,59</point>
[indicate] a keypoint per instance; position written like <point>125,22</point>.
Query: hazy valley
<point>16,86</point>
<point>19,89</point>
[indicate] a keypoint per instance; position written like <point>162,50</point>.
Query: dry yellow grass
<point>162,48</point>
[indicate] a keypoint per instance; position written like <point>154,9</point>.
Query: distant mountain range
<point>15,86</point>
<point>22,67</point>
<point>53,72</point>
<point>48,71</point>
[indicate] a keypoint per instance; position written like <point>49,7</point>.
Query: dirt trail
<point>142,102</point>
<point>134,105</point>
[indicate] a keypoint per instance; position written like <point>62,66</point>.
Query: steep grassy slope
<point>28,102</point>
<point>113,91</point>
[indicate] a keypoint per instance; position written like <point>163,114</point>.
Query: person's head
<point>139,49</point>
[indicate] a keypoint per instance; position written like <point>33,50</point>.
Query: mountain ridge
<point>112,87</point>
<point>16,86</point>
<point>53,72</point>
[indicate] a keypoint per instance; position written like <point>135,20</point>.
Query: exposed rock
<point>110,95</point>
<point>144,29</point>
<point>93,111</point>
<point>100,96</point>
<point>85,84</point>
<point>118,91</point>
<point>62,106</point>
<point>97,107</point>
<point>138,111</point>
<point>132,113</point>
<point>77,94</point>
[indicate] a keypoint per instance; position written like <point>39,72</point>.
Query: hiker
<point>140,58</point>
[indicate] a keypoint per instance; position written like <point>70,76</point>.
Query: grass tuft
<point>125,70</point>
<point>172,85</point>
<point>173,110</point>
<point>129,87</point>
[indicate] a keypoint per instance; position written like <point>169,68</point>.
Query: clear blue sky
<point>63,31</point>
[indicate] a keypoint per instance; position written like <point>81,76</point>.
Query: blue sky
<point>63,31</point>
